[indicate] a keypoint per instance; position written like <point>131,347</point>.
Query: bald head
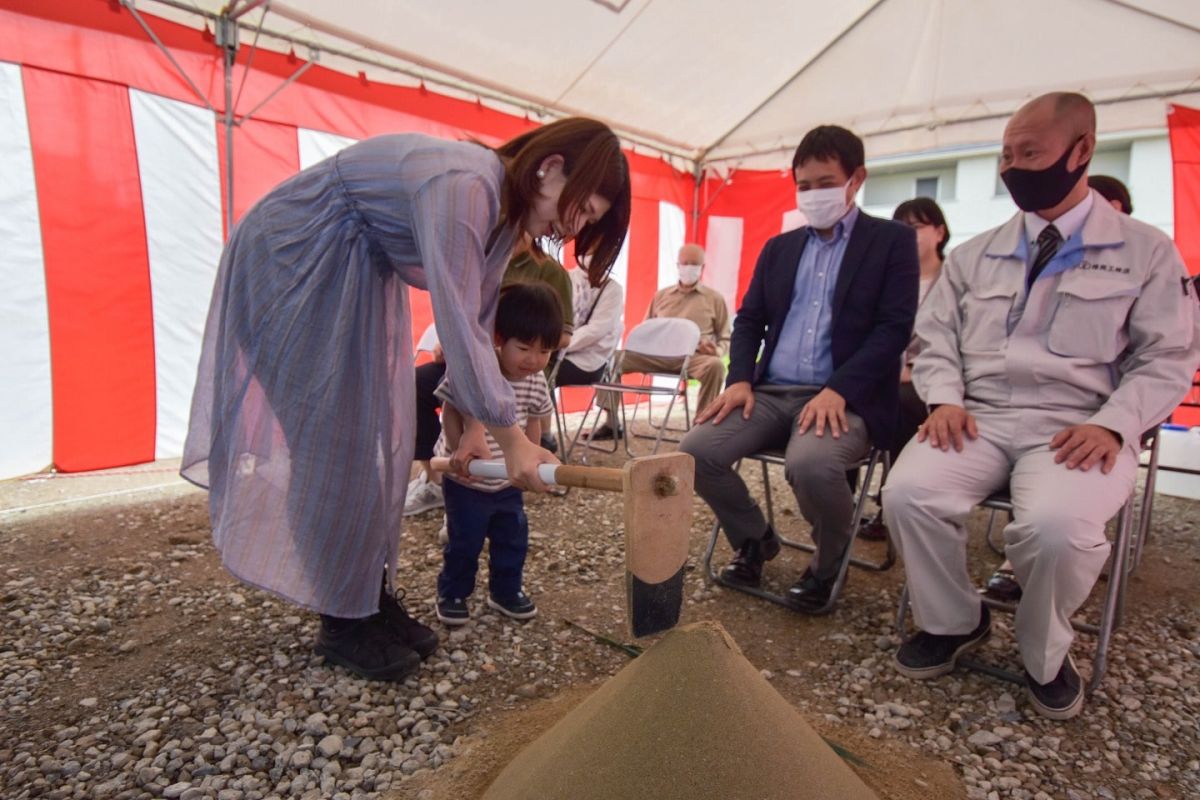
<point>1070,112</point>
<point>1053,127</point>
<point>692,254</point>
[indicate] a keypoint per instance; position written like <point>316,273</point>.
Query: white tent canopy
<point>711,81</point>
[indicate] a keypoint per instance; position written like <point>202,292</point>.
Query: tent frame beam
<point>465,85</point>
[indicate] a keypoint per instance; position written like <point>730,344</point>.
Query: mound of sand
<point>690,718</point>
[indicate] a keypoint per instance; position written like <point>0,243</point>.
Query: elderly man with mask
<point>687,299</point>
<point>1050,344</point>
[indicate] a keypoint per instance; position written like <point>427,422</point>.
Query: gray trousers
<point>815,468</point>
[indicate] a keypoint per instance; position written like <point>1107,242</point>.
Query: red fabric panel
<point>97,271</point>
<point>1183,123</point>
<point>1184,126</point>
<point>264,155</point>
<point>760,199</point>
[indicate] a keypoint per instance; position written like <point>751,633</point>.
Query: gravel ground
<point>132,666</point>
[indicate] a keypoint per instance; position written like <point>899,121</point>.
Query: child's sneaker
<point>423,495</point>
<point>453,611</point>
<point>519,606</point>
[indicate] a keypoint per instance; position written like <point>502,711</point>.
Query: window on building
<point>927,187</point>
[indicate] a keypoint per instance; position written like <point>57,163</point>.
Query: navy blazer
<point>874,302</point>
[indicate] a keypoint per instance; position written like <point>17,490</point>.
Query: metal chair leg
<point>848,558</point>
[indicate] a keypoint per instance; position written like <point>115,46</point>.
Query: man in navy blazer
<point>831,307</point>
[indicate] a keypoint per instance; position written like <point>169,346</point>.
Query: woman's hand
<point>522,458</point>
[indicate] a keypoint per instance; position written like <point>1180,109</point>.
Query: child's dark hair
<point>529,312</point>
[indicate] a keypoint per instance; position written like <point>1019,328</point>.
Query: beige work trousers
<point>1056,540</point>
<point>708,370</point>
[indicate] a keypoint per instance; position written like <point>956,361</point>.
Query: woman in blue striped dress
<point>302,417</point>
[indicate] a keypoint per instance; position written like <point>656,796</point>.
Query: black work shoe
<point>873,530</point>
<point>453,611</point>
<point>1061,698</point>
<point>746,567</point>
<point>928,655</point>
<point>810,594</point>
<point>370,648</point>
<point>519,606</point>
<point>548,442</point>
<point>1003,586</point>
<point>606,432</point>
<point>413,633</point>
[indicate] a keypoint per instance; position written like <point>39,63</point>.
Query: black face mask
<point>1038,189</point>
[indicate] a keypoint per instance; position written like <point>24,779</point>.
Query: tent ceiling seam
<point>1153,15</point>
<point>603,52</point>
<point>703,154</point>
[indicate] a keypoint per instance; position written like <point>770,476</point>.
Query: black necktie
<point>1048,242</point>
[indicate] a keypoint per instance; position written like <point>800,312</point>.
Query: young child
<point>528,327</point>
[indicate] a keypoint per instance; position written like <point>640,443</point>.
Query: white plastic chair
<point>428,340</point>
<point>661,337</point>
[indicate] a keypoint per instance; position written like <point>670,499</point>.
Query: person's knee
<point>1055,533</point>
<point>813,469</point>
<point>710,369</point>
<point>906,492</point>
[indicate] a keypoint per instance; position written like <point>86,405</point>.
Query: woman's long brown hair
<point>592,164</point>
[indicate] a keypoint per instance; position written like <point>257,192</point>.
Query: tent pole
<point>227,39</point>
<point>698,174</point>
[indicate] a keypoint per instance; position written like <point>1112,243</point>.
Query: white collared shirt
<point>1070,222</point>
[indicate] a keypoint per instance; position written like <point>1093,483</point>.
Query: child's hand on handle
<point>522,457</point>
<point>473,444</point>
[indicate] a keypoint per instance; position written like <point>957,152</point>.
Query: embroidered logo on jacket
<point>1085,264</point>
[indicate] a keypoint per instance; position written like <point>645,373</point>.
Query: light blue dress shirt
<point>804,354</point>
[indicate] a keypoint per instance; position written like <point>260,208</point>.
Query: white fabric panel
<point>723,256</point>
<point>181,200</point>
<point>26,408</point>
<point>316,146</point>
<point>672,230</point>
<point>792,219</point>
<point>620,273</point>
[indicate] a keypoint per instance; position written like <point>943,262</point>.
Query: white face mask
<point>689,274</point>
<point>823,207</point>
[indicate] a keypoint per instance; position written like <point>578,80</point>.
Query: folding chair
<point>661,337</point>
<point>875,458</point>
<point>1110,615</point>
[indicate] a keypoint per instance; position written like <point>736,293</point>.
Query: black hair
<point>530,313</point>
<point>1112,189</point>
<point>829,142</point>
<point>924,210</point>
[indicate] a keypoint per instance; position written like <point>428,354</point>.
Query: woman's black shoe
<point>370,648</point>
<point>411,632</point>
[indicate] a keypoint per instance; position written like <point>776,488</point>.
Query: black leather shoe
<point>1061,698</point>
<point>370,648</point>
<point>605,432</point>
<point>414,634</point>
<point>746,567</point>
<point>1003,586</point>
<point>810,594</point>
<point>873,530</point>
<point>928,655</point>
<point>548,442</point>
